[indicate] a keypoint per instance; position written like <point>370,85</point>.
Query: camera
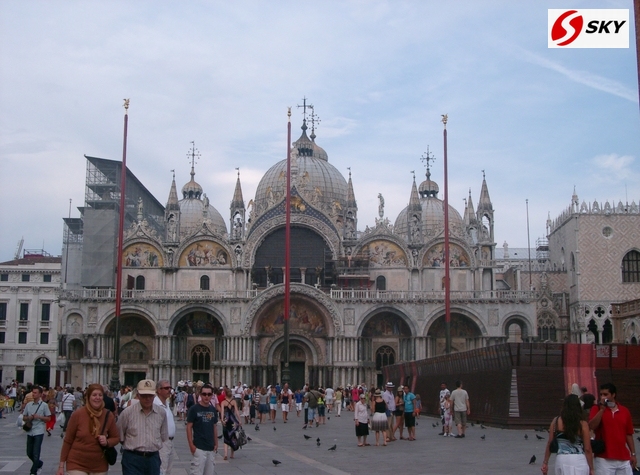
<point>606,401</point>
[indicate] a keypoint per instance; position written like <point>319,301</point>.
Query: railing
<point>3,324</point>
<point>188,295</point>
<point>44,323</point>
<point>413,295</point>
<point>23,323</point>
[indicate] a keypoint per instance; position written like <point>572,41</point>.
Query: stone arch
<point>439,313</point>
<point>130,310</point>
<point>198,320</point>
<point>389,320</point>
<point>305,317</point>
<point>333,321</point>
<point>75,349</point>
<point>313,353</point>
<point>519,320</point>
<point>134,352</point>
<point>74,323</point>
<point>264,229</point>
<point>142,253</point>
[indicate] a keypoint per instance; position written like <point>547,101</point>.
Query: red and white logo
<point>588,28</point>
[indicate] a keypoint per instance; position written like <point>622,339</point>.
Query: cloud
<point>583,77</point>
<point>614,168</point>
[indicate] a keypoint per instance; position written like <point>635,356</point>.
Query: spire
<point>414,199</point>
<point>238,201</point>
<point>484,205</point>
<point>351,197</point>
<point>469,215</point>
<point>192,189</point>
<point>172,201</point>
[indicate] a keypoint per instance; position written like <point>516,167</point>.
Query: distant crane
<point>19,250</point>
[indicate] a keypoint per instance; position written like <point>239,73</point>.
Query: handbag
<point>110,453</point>
<point>241,436</point>
<point>28,425</point>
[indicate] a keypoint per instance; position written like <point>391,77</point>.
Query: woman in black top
<point>379,420</point>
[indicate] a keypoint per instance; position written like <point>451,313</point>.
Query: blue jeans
<point>133,464</point>
<point>34,444</point>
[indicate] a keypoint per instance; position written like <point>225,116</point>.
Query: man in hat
<point>143,430</point>
<point>390,399</point>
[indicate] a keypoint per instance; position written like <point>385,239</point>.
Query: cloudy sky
<point>380,74</point>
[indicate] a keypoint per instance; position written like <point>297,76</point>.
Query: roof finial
<point>304,112</point>
<point>445,118</point>
<point>126,106</point>
<point>413,172</point>
<point>349,168</point>
<point>428,157</point>
<point>193,155</point>
<point>174,174</point>
<point>483,175</point>
<point>238,170</point>
<point>315,120</point>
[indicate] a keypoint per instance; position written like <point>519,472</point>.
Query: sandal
<point>225,458</point>
<point>360,445</point>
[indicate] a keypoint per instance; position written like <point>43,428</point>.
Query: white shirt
<point>171,425</point>
<point>329,393</point>
<point>443,393</point>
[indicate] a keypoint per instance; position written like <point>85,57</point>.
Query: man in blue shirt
<point>38,413</point>
<point>202,433</point>
<point>409,417</point>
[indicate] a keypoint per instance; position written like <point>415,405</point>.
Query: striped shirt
<point>143,432</point>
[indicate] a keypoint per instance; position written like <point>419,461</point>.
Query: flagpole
<point>115,370</point>
<point>286,375</point>
<point>447,282</point>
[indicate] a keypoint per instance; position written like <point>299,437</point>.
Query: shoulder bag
<point>28,425</point>
<point>110,453</point>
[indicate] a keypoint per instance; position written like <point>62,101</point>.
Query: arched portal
<point>42,371</point>
<point>309,328</point>
<point>137,346</point>
<point>464,334</point>
<point>307,258</point>
<point>386,337</point>
<point>199,346</point>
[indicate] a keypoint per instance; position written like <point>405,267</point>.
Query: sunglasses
<point>206,394</point>
<point>167,388</point>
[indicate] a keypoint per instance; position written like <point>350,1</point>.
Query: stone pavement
<point>502,452</point>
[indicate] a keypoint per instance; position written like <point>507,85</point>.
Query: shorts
<point>298,406</point>
<point>313,412</point>
<point>285,407</point>
<point>398,413</point>
<point>321,409</point>
<point>409,419</point>
<point>273,407</point>
<point>460,418</point>
<point>329,401</point>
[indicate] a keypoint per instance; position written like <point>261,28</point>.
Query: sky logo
<point>588,28</point>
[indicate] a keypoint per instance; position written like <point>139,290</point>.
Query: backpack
<point>190,401</point>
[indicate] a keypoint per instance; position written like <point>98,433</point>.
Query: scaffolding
<point>542,249</point>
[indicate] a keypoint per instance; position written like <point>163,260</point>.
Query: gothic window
<point>547,328</point>
<point>204,282</point>
<point>201,358</point>
<point>593,328</point>
<point>381,283</point>
<point>385,356</point>
<point>631,267</point>
<point>140,282</point>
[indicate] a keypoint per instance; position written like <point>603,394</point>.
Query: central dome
<point>314,178</point>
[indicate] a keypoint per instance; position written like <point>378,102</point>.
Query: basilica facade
<point>204,301</point>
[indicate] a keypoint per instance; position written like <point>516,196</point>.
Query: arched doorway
<point>309,328</point>
<point>137,344</point>
<point>386,337</point>
<point>199,346</point>
<point>42,371</point>
<point>464,334</point>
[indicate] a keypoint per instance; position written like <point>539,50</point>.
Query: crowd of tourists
<point>589,436</point>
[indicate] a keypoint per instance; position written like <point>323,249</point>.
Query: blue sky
<point>380,74</point>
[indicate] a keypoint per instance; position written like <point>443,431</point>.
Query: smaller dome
<point>192,189</point>
<point>428,187</point>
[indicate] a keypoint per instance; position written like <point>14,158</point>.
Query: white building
<point>29,319</point>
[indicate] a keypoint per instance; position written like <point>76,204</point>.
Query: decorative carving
<point>494,317</point>
<point>236,315</point>
<point>93,316</point>
<point>349,316</point>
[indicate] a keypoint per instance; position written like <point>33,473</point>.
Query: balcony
<point>44,323</point>
<point>23,324</point>
<point>417,296</point>
<point>105,295</point>
<point>3,324</point>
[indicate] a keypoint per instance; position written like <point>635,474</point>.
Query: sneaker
<point>442,433</point>
<point>458,436</point>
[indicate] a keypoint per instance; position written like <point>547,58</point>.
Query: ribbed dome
<point>192,217</point>
<point>192,189</point>
<point>315,179</point>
